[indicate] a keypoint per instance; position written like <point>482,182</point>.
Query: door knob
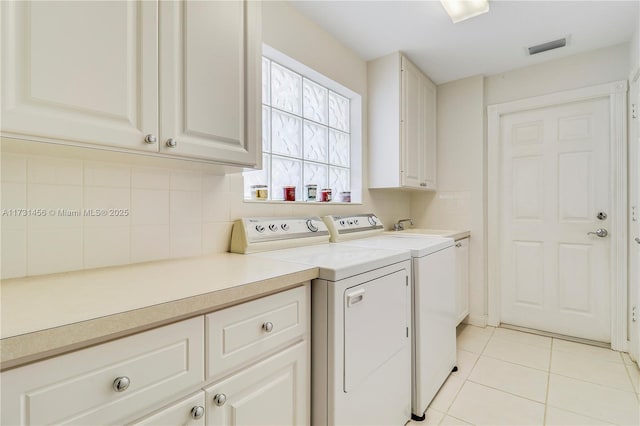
<point>600,232</point>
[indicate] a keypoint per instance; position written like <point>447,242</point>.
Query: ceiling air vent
<point>550,45</point>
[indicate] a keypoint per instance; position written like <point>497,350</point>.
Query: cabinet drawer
<point>79,388</point>
<point>244,333</point>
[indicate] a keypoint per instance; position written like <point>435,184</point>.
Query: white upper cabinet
<point>210,80</point>
<point>402,125</point>
<point>80,72</point>
<point>135,75</point>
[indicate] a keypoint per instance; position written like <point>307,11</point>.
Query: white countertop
<point>46,315</point>
<point>449,233</point>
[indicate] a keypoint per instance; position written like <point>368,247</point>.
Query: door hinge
<point>406,279</point>
<point>634,111</point>
<point>633,314</point>
<point>407,331</point>
<point>634,213</point>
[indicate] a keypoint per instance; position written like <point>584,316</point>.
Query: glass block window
<point>306,135</point>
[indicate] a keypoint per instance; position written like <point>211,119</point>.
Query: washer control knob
<point>285,226</point>
<point>342,222</point>
<point>355,221</point>
<point>260,228</point>
<point>372,220</point>
<point>273,227</point>
<point>311,226</point>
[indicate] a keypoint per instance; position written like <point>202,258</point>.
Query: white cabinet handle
<point>355,297</point>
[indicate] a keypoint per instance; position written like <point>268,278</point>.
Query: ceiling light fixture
<point>459,10</point>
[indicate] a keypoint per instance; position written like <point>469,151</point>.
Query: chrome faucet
<point>398,226</point>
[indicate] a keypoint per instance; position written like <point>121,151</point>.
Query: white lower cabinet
<point>244,365</point>
<point>188,412</point>
<point>462,279</point>
<point>109,383</point>
<point>271,392</point>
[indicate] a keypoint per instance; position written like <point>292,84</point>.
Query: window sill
<point>309,203</point>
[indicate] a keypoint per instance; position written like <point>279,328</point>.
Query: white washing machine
<point>361,319</point>
<point>433,295</point>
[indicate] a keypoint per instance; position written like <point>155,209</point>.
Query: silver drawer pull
<point>458,244</point>
<point>150,139</point>
<point>121,384</point>
<point>197,412</point>
<point>219,399</point>
<point>267,326</point>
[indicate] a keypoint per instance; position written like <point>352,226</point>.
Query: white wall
<point>178,208</point>
<point>459,203</point>
<point>582,70</point>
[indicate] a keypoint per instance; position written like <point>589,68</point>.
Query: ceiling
<point>488,44</point>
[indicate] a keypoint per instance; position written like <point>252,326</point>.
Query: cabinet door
<point>80,72</point>
<point>412,125</point>
<point>188,412</point>
<point>462,278</point>
<point>210,80</point>
<point>272,392</point>
<point>428,155</point>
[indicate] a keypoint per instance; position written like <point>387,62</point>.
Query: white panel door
<point>76,71</point>
<point>555,180</point>
<point>209,84</point>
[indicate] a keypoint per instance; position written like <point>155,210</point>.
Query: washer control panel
<point>353,226</point>
<point>270,233</point>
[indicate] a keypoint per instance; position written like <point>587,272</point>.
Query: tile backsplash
<point>64,214</point>
<point>155,208</point>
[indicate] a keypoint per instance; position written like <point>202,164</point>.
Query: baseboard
<point>477,320</point>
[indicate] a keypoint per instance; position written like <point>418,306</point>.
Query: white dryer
<point>433,295</point>
<point>361,320</point>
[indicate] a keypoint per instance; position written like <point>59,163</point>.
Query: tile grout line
<point>546,399</point>
<point>466,380</point>
<point>506,392</point>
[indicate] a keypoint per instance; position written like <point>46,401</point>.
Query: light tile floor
<point>507,377</point>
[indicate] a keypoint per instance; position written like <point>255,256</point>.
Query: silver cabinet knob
<point>600,232</point>
<point>423,184</point>
<point>219,399</point>
<point>172,143</point>
<point>150,139</point>
<point>267,326</point>
<point>458,244</point>
<point>197,412</point>
<point>121,384</point>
